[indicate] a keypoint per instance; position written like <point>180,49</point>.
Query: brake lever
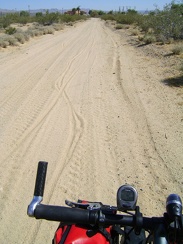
<point>76,204</point>
<point>85,205</point>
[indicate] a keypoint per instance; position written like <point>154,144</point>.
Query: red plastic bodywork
<point>78,235</point>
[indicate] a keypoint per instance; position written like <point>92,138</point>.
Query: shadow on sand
<point>176,81</point>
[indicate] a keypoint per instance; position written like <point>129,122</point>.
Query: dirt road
<point>88,103</point>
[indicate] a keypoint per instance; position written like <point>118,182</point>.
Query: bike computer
<point>126,198</point>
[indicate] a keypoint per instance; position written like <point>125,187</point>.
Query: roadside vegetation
<point>159,26</point>
<point>162,27</point>
<point>11,25</point>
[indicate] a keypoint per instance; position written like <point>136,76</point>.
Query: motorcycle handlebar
<point>84,216</point>
<point>75,215</point>
<point>102,216</point>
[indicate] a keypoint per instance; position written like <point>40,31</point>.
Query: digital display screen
<point>127,195</point>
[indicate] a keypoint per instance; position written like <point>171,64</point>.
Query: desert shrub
<point>140,37</point>
<point>24,20</point>
<point>166,24</point>
<point>39,14</point>
<point>66,18</point>
<point>30,33</point>
<point>70,24</point>
<point>57,26</point>
<point>50,30</point>
<point>170,41</point>
<point>24,33</point>
<point>10,30</point>
<point>20,37</point>
<point>24,17</point>
<point>177,49</point>
<point>35,31</point>
<point>150,31</point>
<point>119,26</point>
<point>7,20</point>
<point>108,17</point>
<point>135,32</point>
<point>145,22</point>
<point>17,35</point>
<point>10,18</point>
<point>38,32</point>
<point>3,43</point>
<point>46,30</point>
<point>47,19</point>
<point>125,19</point>
<point>12,41</point>
<point>169,24</point>
<point>149,38</point>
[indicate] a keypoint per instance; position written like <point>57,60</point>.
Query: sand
<point>94,107</point>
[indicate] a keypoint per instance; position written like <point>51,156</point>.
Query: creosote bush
<point>163,25</point>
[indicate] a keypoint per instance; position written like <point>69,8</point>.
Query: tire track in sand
<point>76,121</point>
<point>41,112</point>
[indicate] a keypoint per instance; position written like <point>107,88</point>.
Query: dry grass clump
<point>149,38</point>
<point>141,38</point>
<point>119,26</point>
<point>22,34</point>
<point>7,40</point>
<point>11,40</point>
<point>26,36</point>
<point>40,30</point>
<point>135,32</point>
<point>47,30</point>
<point>57,27</point>
<point>3,43</point>
<point>177,49</point>
<point>122,26</point>
<point>32,32</point>
<point>150,31</point>
<point>20,37</point>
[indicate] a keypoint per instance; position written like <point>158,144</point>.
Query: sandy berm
<point>95,108</point>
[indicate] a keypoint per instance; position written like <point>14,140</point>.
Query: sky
<point>105,5</point>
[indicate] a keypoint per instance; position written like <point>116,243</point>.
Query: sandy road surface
<point>85,101</point>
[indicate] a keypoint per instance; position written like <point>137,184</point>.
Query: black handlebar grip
<point>65,214</point>
<point>40,178</point>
